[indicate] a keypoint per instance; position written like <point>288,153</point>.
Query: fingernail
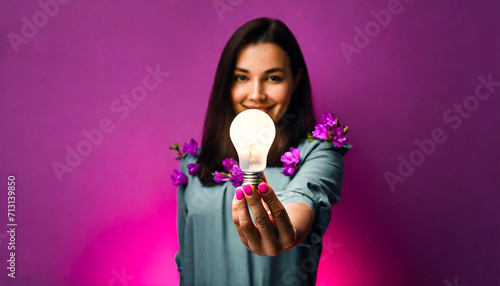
<point>239,194</point>
<point>263,188</point>
<point>248,189</point>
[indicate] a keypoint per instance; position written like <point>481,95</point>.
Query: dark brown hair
<point>293,126</point>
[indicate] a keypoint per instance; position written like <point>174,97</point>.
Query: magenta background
<point>117,210</point>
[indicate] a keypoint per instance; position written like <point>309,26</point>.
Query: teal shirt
<point>210,250</point>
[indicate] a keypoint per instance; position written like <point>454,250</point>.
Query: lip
<point>261,108</point>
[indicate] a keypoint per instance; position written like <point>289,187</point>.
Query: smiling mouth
<point>261,108</point>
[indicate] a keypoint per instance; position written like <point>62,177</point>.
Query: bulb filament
<point>252,154</point>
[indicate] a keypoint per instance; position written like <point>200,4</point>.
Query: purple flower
<point>228,164</point>
<point>236,176</point>
<point>221,177</point>
<point>193,169</point>
<point>329,120</point>
<point>178,178</point>
<point>320,131</point>
<point>289,170</point>
<point>190,147</point>
<point>338,137</point>
<point>290,160</point>
<point>330,130</point>
<point>291,157</point>
<point>232,172</point>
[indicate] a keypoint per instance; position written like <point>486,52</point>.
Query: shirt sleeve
<point>181,215</point>
<point>317,182</point>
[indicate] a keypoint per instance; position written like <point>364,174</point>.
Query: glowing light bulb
<point>252,133</point>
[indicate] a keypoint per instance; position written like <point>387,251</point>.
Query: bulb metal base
<point>253,178</point>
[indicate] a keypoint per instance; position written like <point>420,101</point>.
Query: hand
<point>272,232</point>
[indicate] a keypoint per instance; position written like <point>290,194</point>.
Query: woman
<point>279,242</point>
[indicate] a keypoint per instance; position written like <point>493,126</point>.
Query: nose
<point>256,93</point>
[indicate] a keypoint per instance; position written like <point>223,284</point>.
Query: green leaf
<point>175,147</point>
<point>310,138</point>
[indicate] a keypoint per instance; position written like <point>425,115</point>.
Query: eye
<point>240,78</point>
<point>274,78</point>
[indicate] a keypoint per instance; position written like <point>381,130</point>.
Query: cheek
<point>236,99</point>
<point>237,95</point>
<point>281,95</point>
<point>282,100</point>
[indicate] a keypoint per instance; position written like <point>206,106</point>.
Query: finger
<point>268,212</point>
<point>270,243</point>
<point>264,177</point>
<point>248,229</point>
<point>262,221</point>
<point>284,225</point>
<point>236,219</point>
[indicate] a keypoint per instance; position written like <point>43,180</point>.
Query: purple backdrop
<point>93,93</point>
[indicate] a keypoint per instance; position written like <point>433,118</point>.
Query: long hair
<point>293,126</point>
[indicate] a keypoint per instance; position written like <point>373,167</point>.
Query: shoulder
<point>189,159</point>
<point>319,147</point>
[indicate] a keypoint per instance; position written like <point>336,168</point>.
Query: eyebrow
<point>267,71</point>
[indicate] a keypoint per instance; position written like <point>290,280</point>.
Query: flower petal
<point>221,177</point>
<point>287,158</point>
<point>329,119</point>
<point>288,170</point>
<point>320,131</point>
<point>191,147</point>
<point>193,169</point>
<point>178,178</point>
<point>295,155</point>
<point>228,164</point>
<point>338,136</point>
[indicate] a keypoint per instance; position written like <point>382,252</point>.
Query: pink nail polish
<point>239,194</point>
<point>263,188</point>
<point>248,189</point>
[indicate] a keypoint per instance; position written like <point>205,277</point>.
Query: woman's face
<point>263,80</point>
